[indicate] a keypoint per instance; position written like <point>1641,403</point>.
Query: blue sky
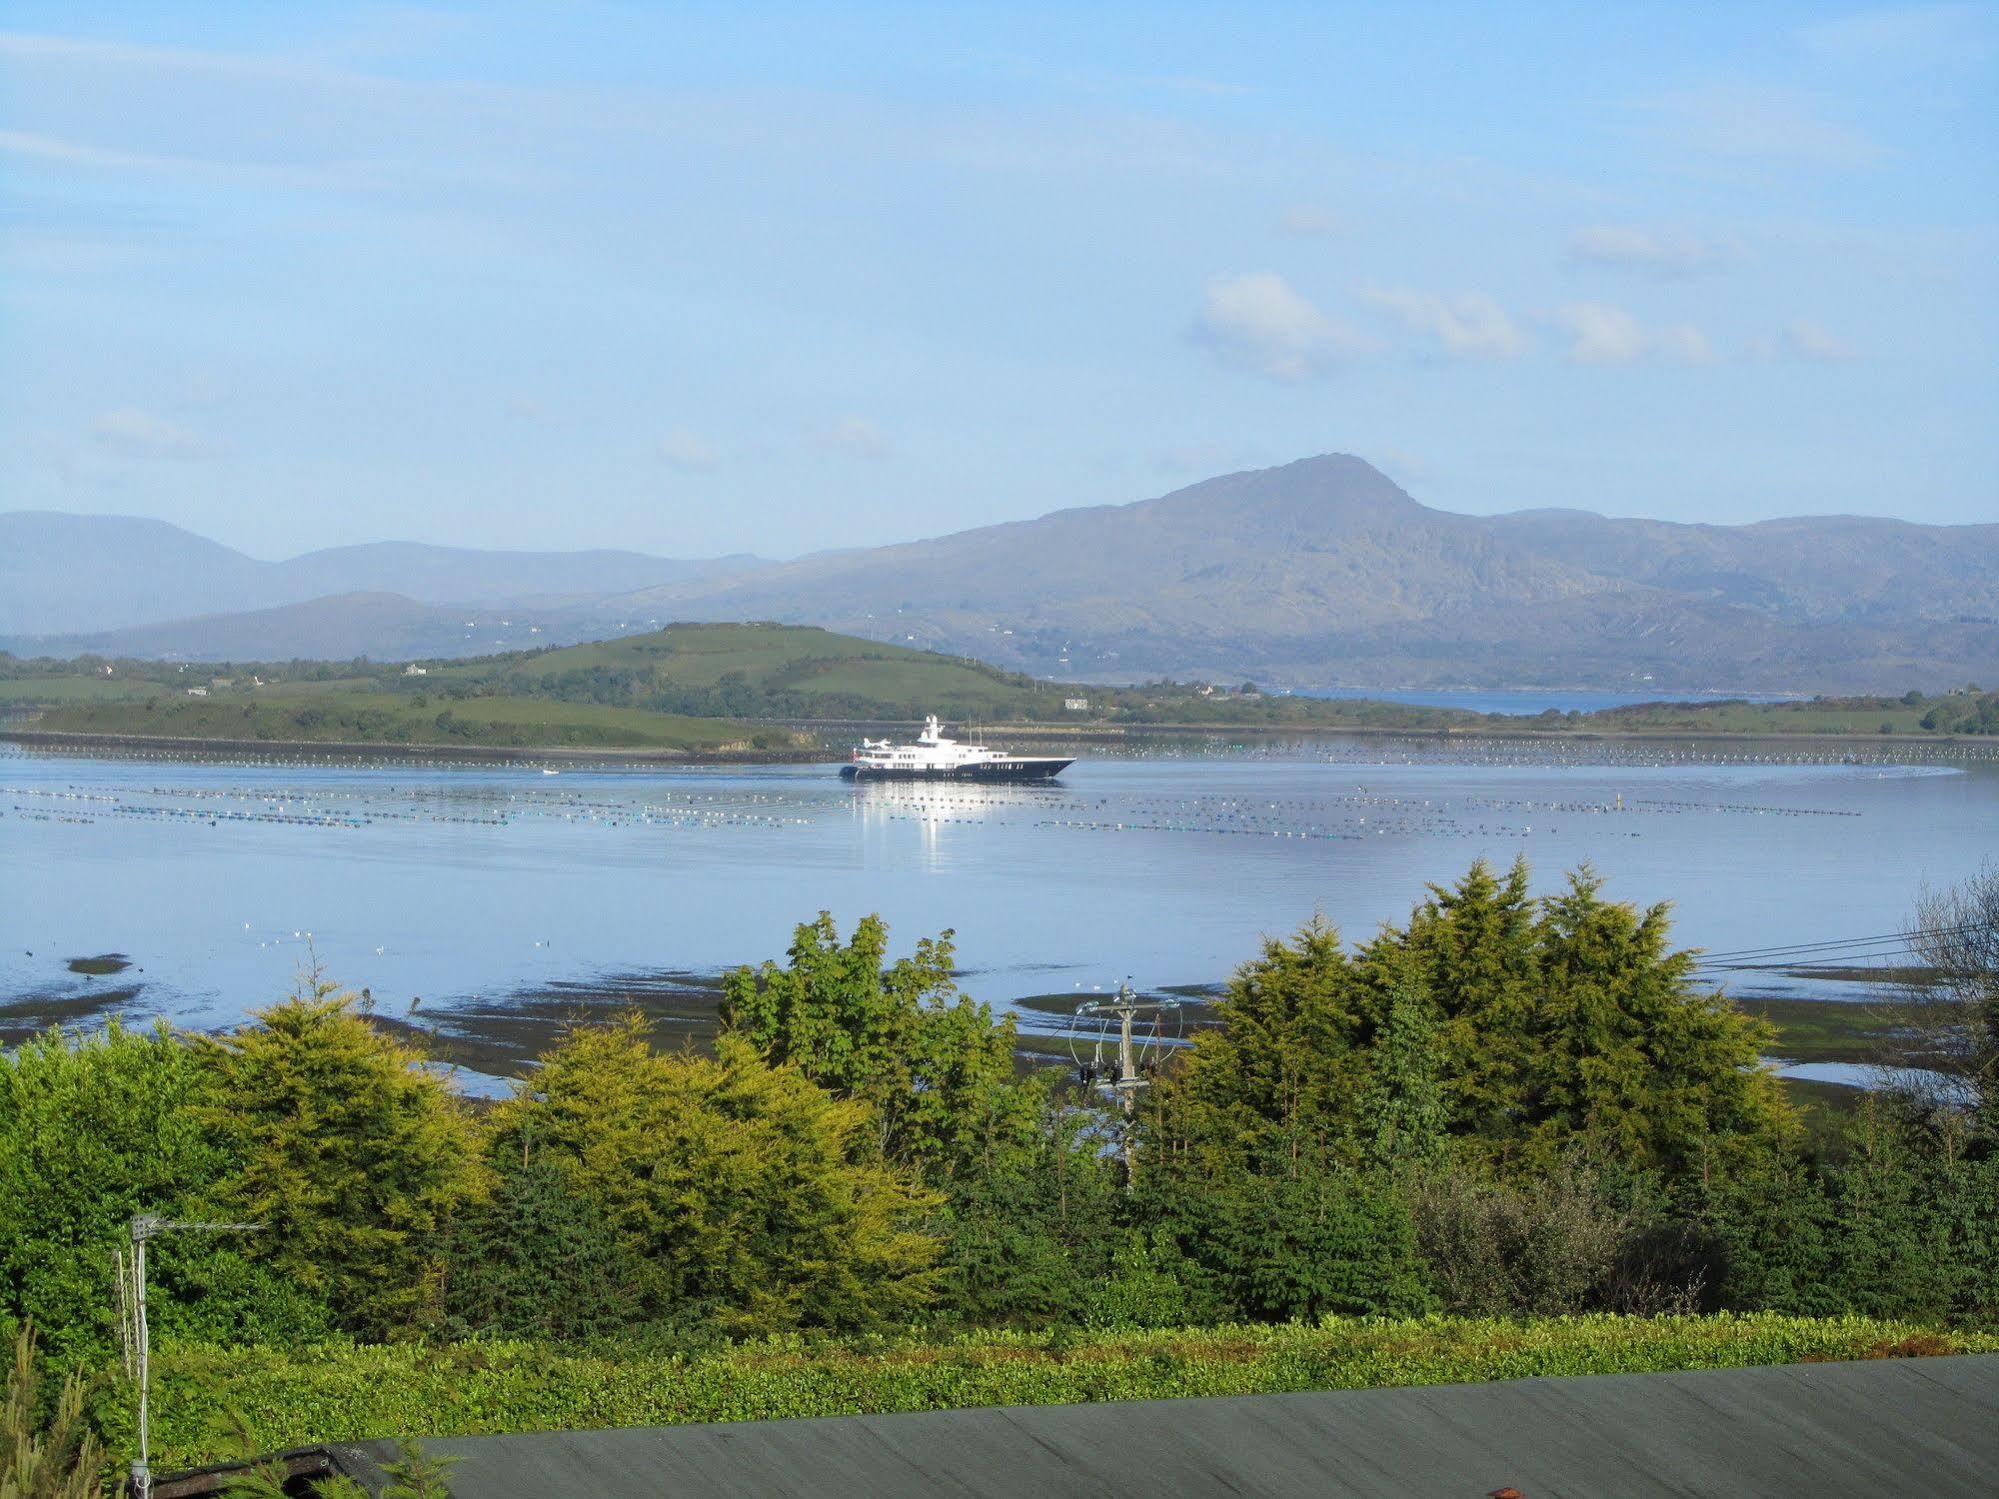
<point>697,279</point>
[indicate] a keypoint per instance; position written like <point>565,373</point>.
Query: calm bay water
<point>456,882</point>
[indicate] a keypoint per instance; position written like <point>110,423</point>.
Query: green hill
<point>761,671</point>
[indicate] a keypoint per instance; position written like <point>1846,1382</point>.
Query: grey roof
<point>1907,1426</point>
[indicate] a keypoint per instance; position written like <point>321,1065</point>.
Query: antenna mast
<point>132,1284</point>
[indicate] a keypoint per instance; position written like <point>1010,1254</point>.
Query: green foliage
<point>350,1153</point>
<point>1298,1239</point>
<point>752,1196</point>
<point>1630,1055</point>
<point>539,1260</point>
<point>1404,1113</point>
<point>416,1474</point>
<point>1506,1028</point>
<point>349,1393</point>
<point>1278,1075</point>
<point>1900,1223</point>
<point>933,1065</point>
<point>1030,1233</point>
<point>47,1450</point>
<point>93,1132</point>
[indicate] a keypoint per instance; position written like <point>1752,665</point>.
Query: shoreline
<point>71,739</point>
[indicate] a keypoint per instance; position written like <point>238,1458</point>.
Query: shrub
<point>93,1132</point>
<point>345,1393</point>
<point>748,1193</point>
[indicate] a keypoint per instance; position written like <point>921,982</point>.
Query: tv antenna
<point>1117,1045</point>
<point>137,1337</point>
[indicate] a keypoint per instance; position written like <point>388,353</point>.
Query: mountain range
<point>1321,573</point>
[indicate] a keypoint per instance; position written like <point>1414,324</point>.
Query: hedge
<point>348,1392</point>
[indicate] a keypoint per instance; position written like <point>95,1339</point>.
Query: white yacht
<point>936,758</point>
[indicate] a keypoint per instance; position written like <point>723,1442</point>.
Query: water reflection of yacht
<point>936,758</point>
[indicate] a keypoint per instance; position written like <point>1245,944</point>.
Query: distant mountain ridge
<point>1321,572</point>
<point>70,574</point>
<point>1324,572</point>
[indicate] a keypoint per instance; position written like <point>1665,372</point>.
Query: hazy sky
<point>696,279</point>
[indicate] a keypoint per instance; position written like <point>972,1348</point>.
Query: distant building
<point>197,692</point>
<point>413,670</point>
<point>222,681</point>
<point>1076,704</point>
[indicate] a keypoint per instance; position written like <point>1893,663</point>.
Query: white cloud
<point>1306,222</point>
<point>1662,252</point>
<point>132,433</point>
<point>1468,325</point>
<point>856,437</point>
<point>689,452</point>
<point>1258,320</point>
<point>1804,339</point>
<point>1683,343</point>
<point>1600,333</point>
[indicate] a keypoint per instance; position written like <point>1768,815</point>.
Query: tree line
<point>1505,1105</point>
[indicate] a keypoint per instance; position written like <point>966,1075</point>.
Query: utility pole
<point>1139,1026</point>
<point>144,1227</point>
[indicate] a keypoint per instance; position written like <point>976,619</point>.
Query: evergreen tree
<point>539,1261</point>
<point>1473,944</point>
<point>1404,1114</point>
<point>1569,1023</point>
<point>752,1196</point>
<point>350,1153</point>
<point>1630,1055</point>
<point>1030,1234</point>
<point>1276,1078</point>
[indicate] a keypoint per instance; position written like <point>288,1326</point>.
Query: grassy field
<point>55,688</point>
<point>383,718</point>
<point>1868,715</point>
<point>287,1398</point>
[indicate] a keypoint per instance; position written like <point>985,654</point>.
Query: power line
<point>1897,941</point>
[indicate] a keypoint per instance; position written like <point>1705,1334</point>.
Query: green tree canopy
<point>1278,1077</point>
<point>934,1065</point>
<point>92,1132</point>
<point>349,1151</point>
<point>1517,1030</point>
<point>753,1197</point>
<point>539,1260</point>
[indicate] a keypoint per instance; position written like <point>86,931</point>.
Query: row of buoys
<point>1687,806</point>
